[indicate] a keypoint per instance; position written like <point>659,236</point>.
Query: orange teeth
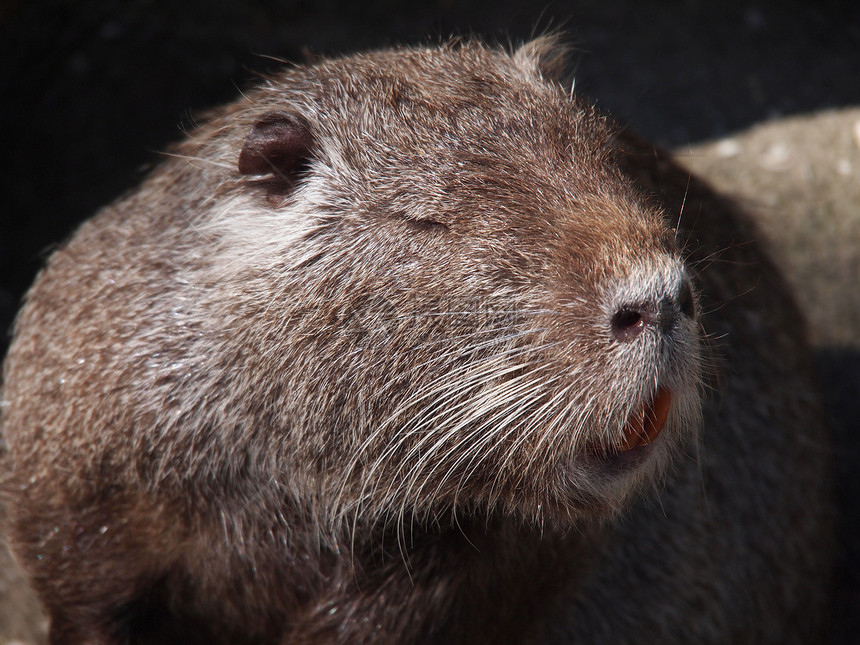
<point>645,425</point>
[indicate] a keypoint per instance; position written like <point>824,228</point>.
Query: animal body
<point>415,346</point>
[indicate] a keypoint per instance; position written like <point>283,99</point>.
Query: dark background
<point>91,91</point>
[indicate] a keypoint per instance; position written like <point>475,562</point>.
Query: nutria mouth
<point>647,423</point>
<point>640,431</point>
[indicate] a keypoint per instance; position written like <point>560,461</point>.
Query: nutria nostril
<point>685,300</point>
<point>659,300</point>
<point>628,323</point>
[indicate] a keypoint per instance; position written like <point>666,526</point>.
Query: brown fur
<point>346,368</point>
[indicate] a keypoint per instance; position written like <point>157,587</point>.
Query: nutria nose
<point>631,319</point>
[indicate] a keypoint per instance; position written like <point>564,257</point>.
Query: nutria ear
<point>547,55</point>
<point>279,144</point>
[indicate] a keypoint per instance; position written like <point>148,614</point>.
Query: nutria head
<point>446,292</point>
<point>406,282</point>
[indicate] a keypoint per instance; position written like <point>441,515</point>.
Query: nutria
<point>415,346</point>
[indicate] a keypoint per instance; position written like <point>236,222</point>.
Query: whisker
<point>515,402</point>
<point>426,411</point>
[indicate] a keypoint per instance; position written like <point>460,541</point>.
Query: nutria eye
<point>423,224</point>
<point>427,225</point>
